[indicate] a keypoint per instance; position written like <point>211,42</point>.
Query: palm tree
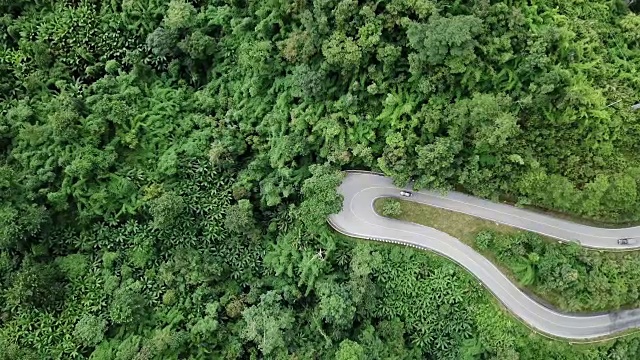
<point>526,269</point>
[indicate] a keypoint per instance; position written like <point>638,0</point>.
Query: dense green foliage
<point>166,168</point>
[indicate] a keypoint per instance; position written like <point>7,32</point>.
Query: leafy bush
<point>90,330</point>
<point>391,208</point>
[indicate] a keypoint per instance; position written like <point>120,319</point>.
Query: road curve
<point>359,219</point>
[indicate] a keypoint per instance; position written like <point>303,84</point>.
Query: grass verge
<point>462,226</point>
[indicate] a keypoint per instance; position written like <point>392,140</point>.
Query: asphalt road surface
<point>359,219</point>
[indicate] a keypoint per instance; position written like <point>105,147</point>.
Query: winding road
<point>359,219</point>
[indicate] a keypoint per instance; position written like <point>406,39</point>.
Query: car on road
<point>405,193</point>
<point>627,241</point>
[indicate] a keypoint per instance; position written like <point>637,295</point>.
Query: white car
<point>627,241</point>
<point>405,193</point>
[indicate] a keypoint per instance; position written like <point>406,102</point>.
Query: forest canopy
<point>166,168</point>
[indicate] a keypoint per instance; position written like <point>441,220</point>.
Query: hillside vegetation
<point>166,168</point>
